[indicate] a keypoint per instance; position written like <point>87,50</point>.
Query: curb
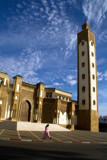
<point>52,141</point>
<point>15,139</point>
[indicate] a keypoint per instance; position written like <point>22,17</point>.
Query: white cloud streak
<point>103,36</point>
<point>57,84</point>
<point>70,80</point>
<point>54,85</point>
<point>105,75</point>
<point>58,27</point>
<point>95,10</point>
<point>25,65</point>
<point>102,76</point>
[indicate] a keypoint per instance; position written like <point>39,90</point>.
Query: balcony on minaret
<point>85,26</point>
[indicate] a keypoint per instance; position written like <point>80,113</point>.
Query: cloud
<point>97,13</point>
<point>103,36</point>
<point>60,26</point>
<point>14,40</point>
<point>25,65</point>
<point>71,80</point>
<point>96,17</point>
<point>99,76</point>
<point>45,3</point>
<point>46,20</point>
<point>57,84</point>
<point>19,5</point>
<point>71,37</point>
<point>102,76</point>
<point>105,75</point>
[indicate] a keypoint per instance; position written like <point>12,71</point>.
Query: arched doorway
<point>25,111</point>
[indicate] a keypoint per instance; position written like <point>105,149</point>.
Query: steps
<point>29,126</point>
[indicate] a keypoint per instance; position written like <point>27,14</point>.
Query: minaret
<point>87,80</point>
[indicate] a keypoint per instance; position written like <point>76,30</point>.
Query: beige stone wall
<point>17,84</point>
<point>9,103</point>
<point>58,111</point>
<point>55,93</point>
<point>4,100</point>
<point>4,91</point>
<point>84,120</point>
<point>63,93</point>
<point>49,112</point>
<point>5,79</point>
<point>95,120</point>
<point>39,99</point>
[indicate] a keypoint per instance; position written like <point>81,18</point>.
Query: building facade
<point>87,80</point>
<point>22,101</point>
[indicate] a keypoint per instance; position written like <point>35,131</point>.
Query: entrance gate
<point>25,111</point>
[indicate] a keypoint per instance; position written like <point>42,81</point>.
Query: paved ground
<point>26,142</point>
<point>57,136</point>
<point>13,150</point>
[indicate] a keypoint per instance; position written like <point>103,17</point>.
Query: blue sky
<point>38,40</point>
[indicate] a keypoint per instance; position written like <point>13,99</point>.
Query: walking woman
<point>46,133</point>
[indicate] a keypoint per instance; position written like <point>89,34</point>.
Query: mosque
<point>23,101</point>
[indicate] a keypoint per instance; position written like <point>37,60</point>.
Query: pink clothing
<point>46,133</point>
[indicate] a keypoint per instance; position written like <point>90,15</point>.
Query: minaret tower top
<point>85,26</point>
